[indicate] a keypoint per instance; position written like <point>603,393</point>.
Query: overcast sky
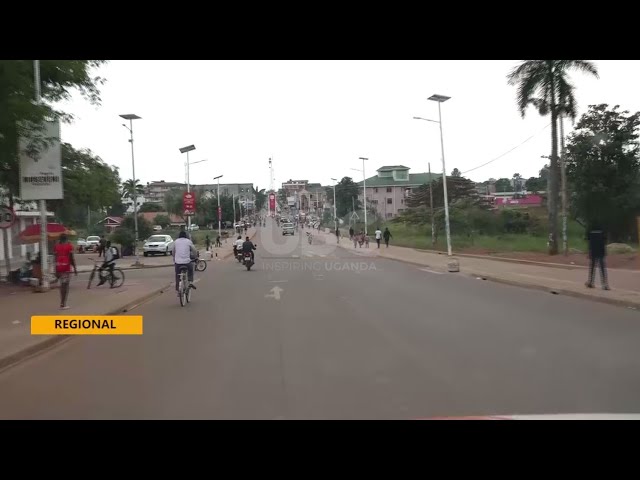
<point>315,118</point>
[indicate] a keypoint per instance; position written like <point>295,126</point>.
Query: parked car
<point>81,245</point>
<point>93,241</point>
<point>158,244</point>
<point>194,227</point>
<point>157,228</point>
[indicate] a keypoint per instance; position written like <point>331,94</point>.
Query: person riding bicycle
<point>248,246</point>
<point>110,256</point>
<point>184,251</point>
<point>237,245</point>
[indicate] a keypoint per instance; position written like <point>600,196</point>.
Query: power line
<point>508,151</point>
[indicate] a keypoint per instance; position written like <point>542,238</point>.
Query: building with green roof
<point>389,188</point>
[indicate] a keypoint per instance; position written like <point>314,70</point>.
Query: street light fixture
<point>186,150</point>
<point>131,117</point>
<point>335,217</point>
<point>219,212</point>
<point>440,99</point>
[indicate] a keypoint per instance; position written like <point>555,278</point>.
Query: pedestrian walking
<point>378,236</point>
<point>597,251</point>
<point>218,242</point>
<point>351,233</point>
<point>207,242</point>
<point>337,234</point>
<point>63,252</point>
<point>101,246</point>
<point>387,235</point>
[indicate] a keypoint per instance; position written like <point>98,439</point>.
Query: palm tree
<point>132,188</point>
<point>545,85</point>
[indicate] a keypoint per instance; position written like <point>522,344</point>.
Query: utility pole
<point>433,223</point>
<point>563,179</point>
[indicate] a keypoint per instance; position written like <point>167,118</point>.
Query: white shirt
<point>109,254</point>
<point>378,234</point>
<point>238,243</point>
<point>182,250</point>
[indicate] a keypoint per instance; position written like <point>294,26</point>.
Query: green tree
<point>162,220</point>
<point>132,188</point>
<point>603,169</point>
<point>89,185</point>
<point>150,207</point>
<point>346,192</point>
<point>503,185</point>
<point>545,85</point>
<point>261,198</point>
<point>145,229</point>
<point>20,116</point>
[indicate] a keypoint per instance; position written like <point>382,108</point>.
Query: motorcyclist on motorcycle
<point>248,246</point>
<point>237,245</point>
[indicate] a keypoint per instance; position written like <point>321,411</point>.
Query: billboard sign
<point>40,164</point>
<point>272,202</point>
<point>188,203</point>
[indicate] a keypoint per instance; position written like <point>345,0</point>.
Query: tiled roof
<point>415,179</point>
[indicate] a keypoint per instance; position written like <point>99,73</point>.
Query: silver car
<point>288,229</point>
<point>158,244</point>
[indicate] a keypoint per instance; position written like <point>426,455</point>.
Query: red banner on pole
<point>219,213</point>
<point>189,203</point>
<point>272,202</point>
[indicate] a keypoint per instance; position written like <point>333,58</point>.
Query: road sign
<point>189,203</point>
<point>7,217</point>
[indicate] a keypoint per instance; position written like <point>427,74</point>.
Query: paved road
<point>349,337</point>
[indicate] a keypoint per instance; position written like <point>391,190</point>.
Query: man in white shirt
<point>378,236</point>
<point>183,250</point>
<point>237,246</point>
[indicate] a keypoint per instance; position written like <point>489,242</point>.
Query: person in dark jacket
<point>597,251</point>
<point>387,235</point>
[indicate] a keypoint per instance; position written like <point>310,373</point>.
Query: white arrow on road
<point>276,293</point>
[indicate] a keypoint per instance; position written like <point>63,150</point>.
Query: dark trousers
<point>603,270</point>
<point>189,272</point>
<point>378,241</point>
<point>386,242</point>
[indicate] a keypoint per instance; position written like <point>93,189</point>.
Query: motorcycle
<point>247,260</point>
<point>238,255</point>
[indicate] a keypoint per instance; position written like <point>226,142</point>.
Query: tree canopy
<point>603,168</point>
<point>20,116</point>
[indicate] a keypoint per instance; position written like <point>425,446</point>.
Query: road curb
<point>502,259</point>
<point>49,343</point>
<point>559,291</point>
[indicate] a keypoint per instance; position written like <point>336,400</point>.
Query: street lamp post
<point>219,212</point>
<point>335,217</point>
<point>131,117</point>
<point>440,99</point>
<point>186,150</point>
<point>364,187</point>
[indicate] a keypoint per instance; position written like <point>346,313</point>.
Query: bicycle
<point>184,288</point>
<point>115,279</point>
<point>199,265</point>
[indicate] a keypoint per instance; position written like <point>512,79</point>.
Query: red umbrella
<point>31,234</point>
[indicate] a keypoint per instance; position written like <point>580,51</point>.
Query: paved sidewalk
<point>625,284</point>
<point>18,307</point>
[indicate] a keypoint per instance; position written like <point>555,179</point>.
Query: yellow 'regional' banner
<point>86,325</point>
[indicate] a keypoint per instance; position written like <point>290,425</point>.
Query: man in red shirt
<point>63,252</point>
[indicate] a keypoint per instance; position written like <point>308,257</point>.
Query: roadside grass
<point>414,236</point>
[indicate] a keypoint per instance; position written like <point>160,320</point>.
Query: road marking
<point>276,293</point>
<point>16,322</point>
<point>278,281</point>
<point>431,271</point>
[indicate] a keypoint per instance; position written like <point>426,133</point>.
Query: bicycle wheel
<point>117,278</point>
<point>91,277</point>
<point>181,292</point>
<point>187,293</point>
<point>201,266</point>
